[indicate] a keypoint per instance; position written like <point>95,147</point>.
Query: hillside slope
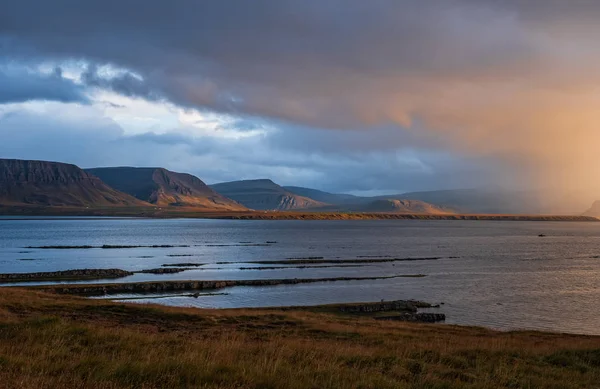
<point>41,183</point>
<point>264,195</point>
<point>476,200</point>
<point>403,206</point>
<point>459,200</point>
<point>389,206</point>
<point>594,210</point>
<point>165,188</point>
<point>325,197</point>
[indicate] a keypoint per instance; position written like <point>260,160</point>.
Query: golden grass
<point>50,341</point>
<point>191,212</point>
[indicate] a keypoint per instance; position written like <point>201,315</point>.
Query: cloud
<point>20,85</point>
<point>293,60</point>
<point>507,85</point>
<point>85,137</point>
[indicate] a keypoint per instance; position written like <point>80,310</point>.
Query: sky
<point>366,97</point>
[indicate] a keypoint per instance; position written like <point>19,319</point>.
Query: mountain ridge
<point>45,183</point>
<point>163,187</point>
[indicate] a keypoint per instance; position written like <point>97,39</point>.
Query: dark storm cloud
<point>125,84</point>
<point>18,86</point>
<point>316,62</point>
<point>338,63</point>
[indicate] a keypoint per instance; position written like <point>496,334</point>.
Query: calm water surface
<point>505,276</point>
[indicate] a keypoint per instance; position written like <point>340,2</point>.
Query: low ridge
<point>594,210</point>
<point>42,183</point>
<point>165,188</point>
<point>404,206</point>
<point>264,194</point>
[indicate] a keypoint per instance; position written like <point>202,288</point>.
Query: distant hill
<point>594,210</point>
<point>402,206</point>
<point>389,206</point>
<point>41,183</point>
<point>165,188</point>
<point>265,195</point>
<point>325,197</point>
<point>476,200</point>
<point>459,200</point>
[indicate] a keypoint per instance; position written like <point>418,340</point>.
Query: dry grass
<point>50,341</point>
<point>191,212</point>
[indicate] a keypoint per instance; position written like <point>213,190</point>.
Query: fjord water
<point>496,274</point>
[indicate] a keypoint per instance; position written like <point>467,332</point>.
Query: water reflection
<point>497,274</point>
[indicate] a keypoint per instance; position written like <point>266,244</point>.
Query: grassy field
<point>51,341</point>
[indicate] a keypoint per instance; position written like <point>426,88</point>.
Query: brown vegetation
<point>190,212</point>
<point>50,341</point>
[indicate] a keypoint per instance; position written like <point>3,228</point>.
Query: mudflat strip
<point>166,286</point>
<point>334,261</point>
<point>62,275</point>
<point>105,246</point>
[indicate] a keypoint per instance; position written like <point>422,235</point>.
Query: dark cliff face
<point>14,171</point>
<point>42,183</point>
<point>264,195</point>
<point>165,188</point>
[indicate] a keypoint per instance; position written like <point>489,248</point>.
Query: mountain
<point>594,210</point>
<point>477,200</point>
<point>458,200</point>
<point>324,197</point>
<point>165,188</point>
<point>401,206</point>
<point>41,183</point>
<point>264,195</point>
<point>389,206</point>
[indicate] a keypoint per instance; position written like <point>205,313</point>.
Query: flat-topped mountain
<point>41,183</point>
<point>165,188</point>
<point>325,197</point>
<point>264,195</point>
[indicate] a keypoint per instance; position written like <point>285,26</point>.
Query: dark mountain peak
<point>23,171</point>
<point>265,181</point>
<point>44,183</point>
<point>261,183</point>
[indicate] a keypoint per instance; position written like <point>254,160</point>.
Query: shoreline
<point>192,213</point>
